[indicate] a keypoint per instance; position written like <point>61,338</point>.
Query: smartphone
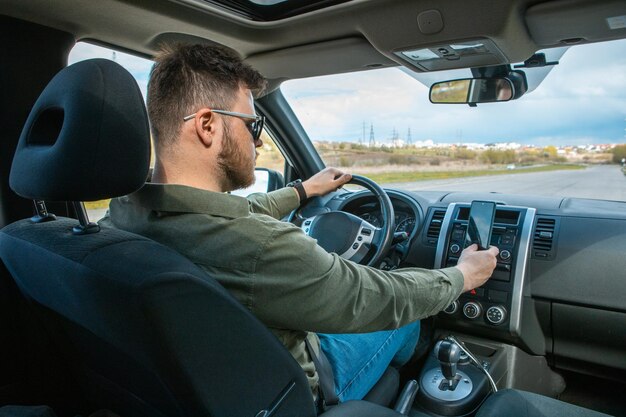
<point>480,223</point>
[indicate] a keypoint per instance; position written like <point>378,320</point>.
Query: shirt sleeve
<point>276,204</point>
<point>298,285</point>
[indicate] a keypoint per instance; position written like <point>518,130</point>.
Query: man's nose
<point>258,143</point>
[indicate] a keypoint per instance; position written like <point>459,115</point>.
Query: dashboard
<point>405,220</point>
<point>558,292</point>
<point>408,211</point>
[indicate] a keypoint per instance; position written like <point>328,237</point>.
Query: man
<point>206,133</point>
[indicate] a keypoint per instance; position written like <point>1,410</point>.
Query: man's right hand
<point>327,180</point>
<point>477,266</point>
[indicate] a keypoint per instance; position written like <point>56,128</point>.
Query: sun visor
<point>332,57</point>
<point>569,22</point>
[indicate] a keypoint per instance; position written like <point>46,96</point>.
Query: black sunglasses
<point>254,126</point>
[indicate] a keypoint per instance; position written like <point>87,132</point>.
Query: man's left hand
<point>325,181</point>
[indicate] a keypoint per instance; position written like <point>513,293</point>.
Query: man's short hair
<point>186,77</point>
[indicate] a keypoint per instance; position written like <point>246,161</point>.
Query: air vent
<point>436,221</point>
<point>544,238</point>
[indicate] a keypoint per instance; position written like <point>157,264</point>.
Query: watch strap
<point>297,184</point>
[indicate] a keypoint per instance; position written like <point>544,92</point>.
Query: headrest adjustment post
<point>42,214</point>
<point>85,227</point>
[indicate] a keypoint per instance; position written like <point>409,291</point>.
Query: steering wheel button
<point>308,222</point>
<point>366,232</point>
<point>356,245</point>
<point>360,238</point>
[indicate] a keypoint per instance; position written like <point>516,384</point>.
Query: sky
<point>581,101</point>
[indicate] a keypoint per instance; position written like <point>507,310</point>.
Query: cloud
<point>138,67</point>
<point>582,98</point>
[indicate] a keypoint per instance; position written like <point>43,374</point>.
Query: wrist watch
<point>297,184</point>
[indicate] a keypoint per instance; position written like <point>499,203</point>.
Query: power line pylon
<point>362,138</point>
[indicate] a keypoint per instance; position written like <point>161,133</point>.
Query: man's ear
<point>206,126</point>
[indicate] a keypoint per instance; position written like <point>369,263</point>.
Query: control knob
<point>472,310</point>
<point>452,308</point>
<point>454,248</point>
<point>505,255</point>
<point>496,314</point>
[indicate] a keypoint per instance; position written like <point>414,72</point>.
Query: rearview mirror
<point>472,90</point>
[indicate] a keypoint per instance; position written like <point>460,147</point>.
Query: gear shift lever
<point>448,354</point>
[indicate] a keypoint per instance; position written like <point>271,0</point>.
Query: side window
<point>270,157</point>
<point>138,67</point>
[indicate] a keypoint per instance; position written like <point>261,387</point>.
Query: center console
<point>485,323</point>
<point>497,304</point>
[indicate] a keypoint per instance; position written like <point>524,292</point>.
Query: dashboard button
<point>472,310</point>
<point>496,315</point>
<point>499,275</point>
<point>452,308</point>
<point>476,292</point>
<point>480,292</point>
<point>505,255</point>
<point>497,296</point>
<point>454,248</point>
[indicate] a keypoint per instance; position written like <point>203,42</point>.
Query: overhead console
<point>497,304</point>
<point>465,54</point>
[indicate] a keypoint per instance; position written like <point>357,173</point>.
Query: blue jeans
<point>359,360</point>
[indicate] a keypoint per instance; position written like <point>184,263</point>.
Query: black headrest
<point>87,137</point>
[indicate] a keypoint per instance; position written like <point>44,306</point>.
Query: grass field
<point>410,176</point>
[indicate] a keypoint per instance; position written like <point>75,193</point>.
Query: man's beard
<point>237,168</point>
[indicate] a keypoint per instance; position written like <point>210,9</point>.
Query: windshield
<point>565,138</point>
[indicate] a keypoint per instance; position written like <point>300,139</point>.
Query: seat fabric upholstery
<point>149,333</point>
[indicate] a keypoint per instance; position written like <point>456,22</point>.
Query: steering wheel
<point>350,236</point>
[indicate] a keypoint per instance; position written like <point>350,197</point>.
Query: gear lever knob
<point>448,354</point>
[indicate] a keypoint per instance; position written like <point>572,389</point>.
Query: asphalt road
<point>604,182</point>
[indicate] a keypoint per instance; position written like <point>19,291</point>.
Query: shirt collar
<point>184,199</point>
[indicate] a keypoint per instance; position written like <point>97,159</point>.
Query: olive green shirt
<point>289,282</point>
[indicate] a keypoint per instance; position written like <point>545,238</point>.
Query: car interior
<point>95,319</point>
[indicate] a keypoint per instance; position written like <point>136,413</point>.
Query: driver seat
<point>143,330</point>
